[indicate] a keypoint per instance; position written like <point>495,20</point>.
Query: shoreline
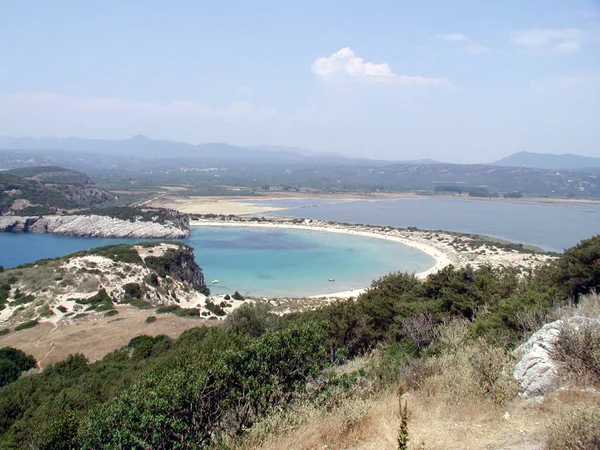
<point>440,246</point>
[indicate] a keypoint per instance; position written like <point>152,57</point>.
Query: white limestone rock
<point>536,372</point>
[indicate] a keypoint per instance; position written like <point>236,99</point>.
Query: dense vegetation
<point>213,383</point>
<point>46,198</point>
<point>51,174</point>
<point>12,363</point>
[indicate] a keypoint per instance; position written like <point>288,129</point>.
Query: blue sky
<point>460,81</point>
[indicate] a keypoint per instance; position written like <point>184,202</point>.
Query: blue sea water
<point>552,226</point>
<point>274,262</point>
<point>256,261</point>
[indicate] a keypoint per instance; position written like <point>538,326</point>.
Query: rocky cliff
<point>93,225</point>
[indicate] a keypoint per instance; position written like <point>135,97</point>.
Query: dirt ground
<point>95,335</point>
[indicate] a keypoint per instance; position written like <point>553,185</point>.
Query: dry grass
<point>95,335</point>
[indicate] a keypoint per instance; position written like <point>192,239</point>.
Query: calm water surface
<point>550,226</point>
<point>263,262</point>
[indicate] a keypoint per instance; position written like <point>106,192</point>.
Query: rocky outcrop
<point>178,264</point>
<point>95,226</point>
<point>536,372</point>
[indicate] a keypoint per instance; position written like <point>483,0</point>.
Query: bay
<point>256,261</point>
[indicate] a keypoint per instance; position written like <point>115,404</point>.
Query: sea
<point>278,262</point>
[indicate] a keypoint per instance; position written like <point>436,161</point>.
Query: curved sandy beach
<point>438,245</point>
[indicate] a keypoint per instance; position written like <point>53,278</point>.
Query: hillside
<point>24,196</point>
<point>549,161</point>
<point>50,174</point>
<point>429,361</point>
<point>96,280</point>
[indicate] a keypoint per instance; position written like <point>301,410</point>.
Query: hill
<point>97,280</point>
<point>440,348</point>
<point>50,174</point>
<point>30,197</point>
<point>548,161</point>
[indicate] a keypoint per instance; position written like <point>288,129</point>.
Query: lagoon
<point>551,226</point>
<point>256,261</point>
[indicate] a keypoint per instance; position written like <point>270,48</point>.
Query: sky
<point>459,81</point>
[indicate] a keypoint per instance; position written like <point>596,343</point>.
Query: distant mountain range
<point>547,161</point>
<point>143,148</point>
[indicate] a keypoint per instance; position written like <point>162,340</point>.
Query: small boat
<point>215,281</point>
<point>332,279</point>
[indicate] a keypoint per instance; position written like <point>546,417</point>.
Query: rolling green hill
<point>50,174</point>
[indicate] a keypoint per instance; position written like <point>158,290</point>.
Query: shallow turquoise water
<point>255,261</point>
<point>270,262</point>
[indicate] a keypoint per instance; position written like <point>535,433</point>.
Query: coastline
<point>440,246</point>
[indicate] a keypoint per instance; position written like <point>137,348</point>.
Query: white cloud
<point>345,64</point>
<point>451,37</point>
<point>58,102</point>
<point>475,49</point>
<point>541,40</point>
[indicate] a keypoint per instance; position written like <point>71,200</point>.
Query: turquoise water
<point>550,226</point>
<point>255,261</point>
<point>270,262</point>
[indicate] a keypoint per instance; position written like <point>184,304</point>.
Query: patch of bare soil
<point>95,335</point>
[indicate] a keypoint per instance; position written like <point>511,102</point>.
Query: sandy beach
<point>445,248</point>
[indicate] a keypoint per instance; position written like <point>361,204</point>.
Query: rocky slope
<point>97,280</point>
<point>95,225</point>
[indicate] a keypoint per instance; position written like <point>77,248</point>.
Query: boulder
<point>536,372</point>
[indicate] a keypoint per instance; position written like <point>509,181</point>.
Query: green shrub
<point>214,308</point>
<point>21,299</point>
<point>142,304</point>
<point>133,290</point>
<point>163,309</point>
<point>12,363</point>
<point>150,319</point>
<point>4,293</point>
<point>62,308</point>
<point>25,325</point>
<point>112,312</point>
<point>187,312</point>
<point>253,319</point>
<point>4,331</point>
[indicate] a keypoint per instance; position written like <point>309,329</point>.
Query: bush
<point>112,312</point>
<point>187,312</point>
<point>237,296</point>
<point>133,290</point>
<point>254,319</point>
<point>4,331</point>
<point>214,308</point>
<point>577,429</point>
<point>150,319</point>
<point>12,363</point>
<point>163,309</point>
<point>25,325</point>
<point>142,304</point>
<point>577,352</point>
